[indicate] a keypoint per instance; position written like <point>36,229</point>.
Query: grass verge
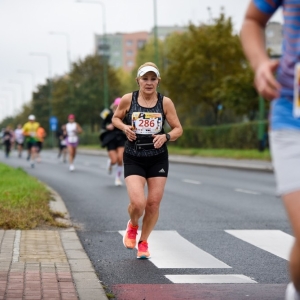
<point>24,201</point>
<point>222,153</point>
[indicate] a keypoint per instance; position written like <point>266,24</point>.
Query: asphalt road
<point>226,224</point>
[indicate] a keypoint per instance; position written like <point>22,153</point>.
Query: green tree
<point>87,79</point>
<point>201,66</point>
<point>41,106</point>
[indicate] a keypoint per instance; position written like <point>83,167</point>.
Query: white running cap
<point>31,118</point>
<point>142,71</point>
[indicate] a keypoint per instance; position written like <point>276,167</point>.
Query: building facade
<point>121,48</point>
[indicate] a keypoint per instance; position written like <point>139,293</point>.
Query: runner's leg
<point>156,187</point>
<point>292,204</point>
<point>135,188</point>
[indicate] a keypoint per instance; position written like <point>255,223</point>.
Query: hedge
<point>233,136</point>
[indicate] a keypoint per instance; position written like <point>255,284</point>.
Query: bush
<point>233,136</point>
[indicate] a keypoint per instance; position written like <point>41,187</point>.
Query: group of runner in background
<point>32,135</point>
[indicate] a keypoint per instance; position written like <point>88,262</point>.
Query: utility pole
<point>50,86</point>
<point>104,52</point>
<point>156,55</point>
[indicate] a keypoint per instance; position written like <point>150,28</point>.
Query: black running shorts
<point>147,167</point>
<point>31,144</point>
<point>117,142</point>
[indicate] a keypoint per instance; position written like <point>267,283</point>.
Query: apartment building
<point>121,48</point>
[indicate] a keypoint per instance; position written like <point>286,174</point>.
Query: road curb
<point>223,163</point>
<point>87,283</point>
<point>57,205</point>
<point>242,164</point>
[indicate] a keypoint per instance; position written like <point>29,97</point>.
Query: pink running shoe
<point>129,239</point>
<point>143,250</point>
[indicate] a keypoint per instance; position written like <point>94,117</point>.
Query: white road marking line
<point>171,250</point>
<point>276,242</point>
<point>191,181</point>
<point>247,192</point>
<point>225,278</point>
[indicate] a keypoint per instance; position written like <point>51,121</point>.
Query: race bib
<point>32,133</point>
<point>63,142</point>
<point>72,139</point>
<point>146,122</point>
<point>296,104</point>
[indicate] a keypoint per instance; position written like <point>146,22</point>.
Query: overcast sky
<point>25,26</point>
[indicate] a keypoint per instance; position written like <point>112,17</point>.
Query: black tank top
<point>135,107</point>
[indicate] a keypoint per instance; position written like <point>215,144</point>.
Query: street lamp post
<point>31,74</point>
<point>156,56</point>
<point>22,88</point>
<point>50,86</point>
<point>13,106</point>
<point>66,35</point>
<point>105,81</point>
<point>4,96</point>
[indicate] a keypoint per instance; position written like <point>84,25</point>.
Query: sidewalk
<point>245,164</point>
<point>46,264</point>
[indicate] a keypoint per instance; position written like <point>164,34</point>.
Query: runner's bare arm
<point>120,114</point>
<point>78,128</point>
<point>172,119</point>
<point>121,111</point>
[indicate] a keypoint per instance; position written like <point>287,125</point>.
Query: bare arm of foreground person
<point>253,42</point>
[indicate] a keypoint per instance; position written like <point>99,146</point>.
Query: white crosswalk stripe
<point>223,278</point>
<point>175,252</point>
<point>276,242</point>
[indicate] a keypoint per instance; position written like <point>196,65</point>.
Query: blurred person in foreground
<point>73,129</point>
<point>30,132</point>
<point>41,134</point>
<point>283,90</point>
<point>19,139</point>
<point>114,140</point>
<point>146,160</point>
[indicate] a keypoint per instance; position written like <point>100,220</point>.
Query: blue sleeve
<point>267,6</point>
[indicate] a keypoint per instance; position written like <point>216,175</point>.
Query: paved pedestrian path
<point>46,264</point>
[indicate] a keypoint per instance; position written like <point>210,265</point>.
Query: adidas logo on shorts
<point>162,171</point>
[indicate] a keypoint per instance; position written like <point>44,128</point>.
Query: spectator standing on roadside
<point>283,90</point>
